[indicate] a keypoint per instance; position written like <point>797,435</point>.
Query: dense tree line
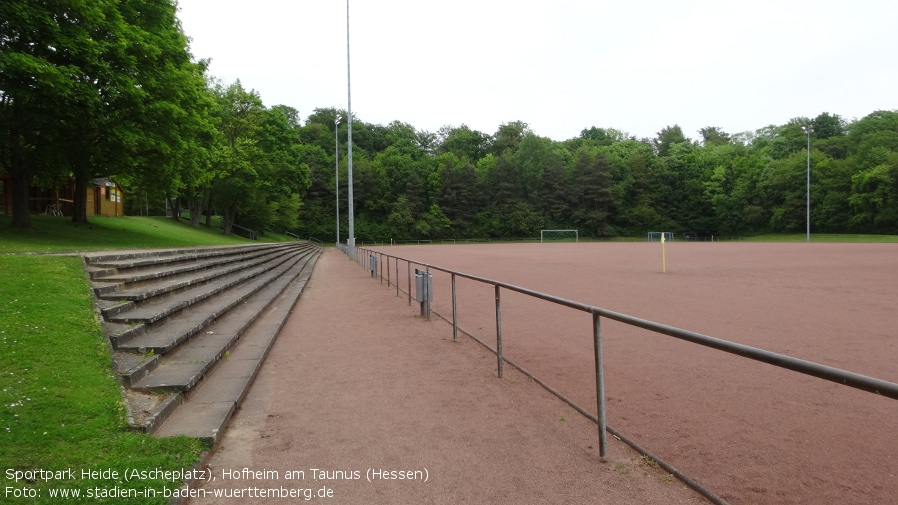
<point>462,183</point>
<point>109,88</point>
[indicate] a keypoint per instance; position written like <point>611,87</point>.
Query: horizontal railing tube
<point>850,379</point>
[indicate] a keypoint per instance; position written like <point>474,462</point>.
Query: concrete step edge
<point>201,251</point>
<point>291,295</point>
<point>250,289</point>
<point>195,295</point>
<point>277,288</point>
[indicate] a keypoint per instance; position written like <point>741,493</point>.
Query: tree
<point>874,198</point>
<point>240,114</point>
<point>509,136</point>
<point>827,125</point>
<point>464,142</point>
<point>459,196</point>
<point>534,156</point>
<point>98,88</point>
<point>667,137</point>
<point>714,136</point>
<point>881,120</point>
<point>594,202</point>
<point>49,56</point>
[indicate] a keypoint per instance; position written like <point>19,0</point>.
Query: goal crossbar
<point>655,236</point>
<point>542,234</point>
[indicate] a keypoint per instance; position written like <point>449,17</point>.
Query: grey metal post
<point>388,272</point>
<point>600,384</point>
<point>809,129</point>
<point>409,264</point>
<point>351,239</point>
<point>499,331</point>
<point>397,277</point>
<point>337,175</point>
<point>427,289</point>
<point>454,313</point>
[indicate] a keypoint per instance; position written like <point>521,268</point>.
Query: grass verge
<point>60,404</point>
<point>825,237</point>
<point>57,234</point>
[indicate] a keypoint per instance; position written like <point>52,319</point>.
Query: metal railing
<point>846,378</point>
<point>314,240</point>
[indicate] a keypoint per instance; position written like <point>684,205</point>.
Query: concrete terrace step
<point>172,315</point>
<point>124,321</point>
<point>122,260</point>
<point>163,337</point>
<point>206,411</point>
<point>172,277</point>
<point>159,307</point>
<point>181,369</point>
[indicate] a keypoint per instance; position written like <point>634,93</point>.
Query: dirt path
<point>357,382</point>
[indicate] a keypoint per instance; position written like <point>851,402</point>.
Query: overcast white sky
<point>559,65</point>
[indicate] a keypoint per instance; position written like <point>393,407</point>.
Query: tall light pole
<point>351,239</point>
<point>809,129</point>
<point>337,175</point>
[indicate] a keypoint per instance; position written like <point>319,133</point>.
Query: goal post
<point>655,236</point>
<point>559,236</point>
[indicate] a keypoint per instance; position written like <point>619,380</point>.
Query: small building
<point>104,198</point>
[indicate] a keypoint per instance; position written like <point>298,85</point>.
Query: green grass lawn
<point>58,234</point>
<point>60,403</point>
<point>823,237</point>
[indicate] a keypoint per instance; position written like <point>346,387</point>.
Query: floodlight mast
<point>351,239</point>
<point>809,129</point>
<point>337,175</point>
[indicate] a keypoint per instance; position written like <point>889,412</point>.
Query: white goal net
<point>655,236</point>
<point>559,236</point>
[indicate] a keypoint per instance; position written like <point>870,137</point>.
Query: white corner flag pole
<point>663,256</point>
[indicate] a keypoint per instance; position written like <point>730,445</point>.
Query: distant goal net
<point>655,236</point>
<point>559,236</point>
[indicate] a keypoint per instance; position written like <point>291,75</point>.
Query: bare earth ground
<point>750,432</point>
<point>356,381</point>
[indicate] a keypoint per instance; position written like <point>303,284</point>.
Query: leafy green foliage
<point>603,182</point>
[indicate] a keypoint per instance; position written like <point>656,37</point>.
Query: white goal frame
<point>655,236</point>
<point>542,235</point>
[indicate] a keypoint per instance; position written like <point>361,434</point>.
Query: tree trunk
<point>209,208</point>
<point>21,205</point>
<point>79,200</point>
<point>230,214</point>
<point>175,208</point>
<point>195,203</point>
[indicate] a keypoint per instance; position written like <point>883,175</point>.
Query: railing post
<point>427,289</point>
<point>388,273</point>
<point>409,265</point>
<point>600,384</point>
<point>397,277</point>
<point>499,331</point>
<point>381,265</point>
<point>454,312</point>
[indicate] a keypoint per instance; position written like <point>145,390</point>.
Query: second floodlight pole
<point>351,239</point>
